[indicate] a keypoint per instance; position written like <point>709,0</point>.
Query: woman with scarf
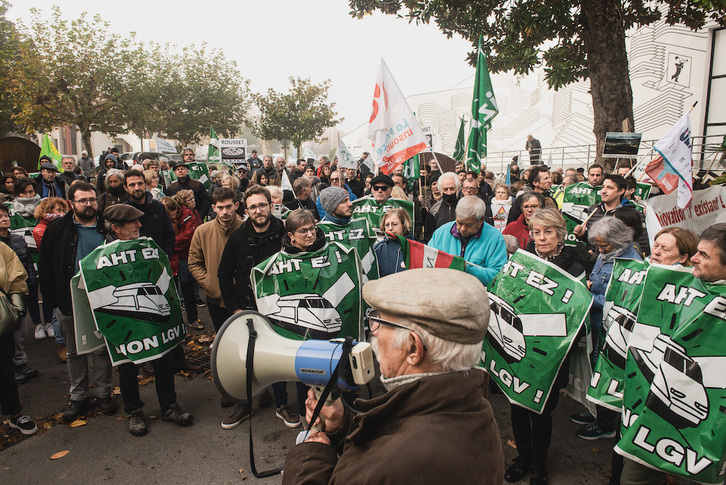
<point>395,222</point>
<point>115,192</point>
<point>26,198</point>
<point>532,431</point>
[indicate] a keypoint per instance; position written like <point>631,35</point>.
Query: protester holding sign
<point>373,206</point>
<point>673,420</point>
<point>533,431</point>
<point>122,222</point>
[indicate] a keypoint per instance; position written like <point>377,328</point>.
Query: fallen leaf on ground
<point>512,444</point>
<point>116,391</point>
<point>77,423</point>
<point>145,381</point>
<point>60,454</point>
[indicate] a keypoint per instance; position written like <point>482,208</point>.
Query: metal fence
<point>704,149</point>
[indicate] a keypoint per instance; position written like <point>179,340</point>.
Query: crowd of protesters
<point>214,236</point>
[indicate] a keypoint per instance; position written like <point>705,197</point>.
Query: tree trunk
<point>86,139</point>
<point>607,63</point>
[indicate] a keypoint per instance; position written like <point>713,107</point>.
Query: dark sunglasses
<point>382,188</point>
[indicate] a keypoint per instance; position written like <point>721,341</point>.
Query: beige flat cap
<point>447,303</point>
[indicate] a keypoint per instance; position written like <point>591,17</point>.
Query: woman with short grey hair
<point>613,239</point>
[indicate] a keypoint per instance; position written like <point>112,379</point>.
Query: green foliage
<point>521,35</point>
<point>8,54</point>
<point>301,115</point>
<point>80,72</point>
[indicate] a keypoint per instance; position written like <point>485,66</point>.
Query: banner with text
<point>622,302</point>
<point>673,402</point>
<point>536,310</point>
<point>312,294</point>
<point>372,211</point>
<point>133,299</point>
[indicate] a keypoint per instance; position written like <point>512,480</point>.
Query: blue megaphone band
<point>316,360</point>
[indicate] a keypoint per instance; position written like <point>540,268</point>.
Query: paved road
<point>104,451</point>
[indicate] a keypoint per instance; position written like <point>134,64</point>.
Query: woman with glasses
<point>395,222</point>
<point>531,203</point>
<point>532,431</point>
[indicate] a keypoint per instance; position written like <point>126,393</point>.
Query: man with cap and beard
<point>433,425</point>
<point>122,223</point>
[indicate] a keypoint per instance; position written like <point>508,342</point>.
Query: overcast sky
<point>275,39</point>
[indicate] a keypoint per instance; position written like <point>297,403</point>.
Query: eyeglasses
<point>375,321</point>
<point>381,188</point>
<point>89,201</point>
<point>334,179</point>
<point>546,233</point>
<point>188,154</point>
<point>257,207</point>
<point>530,206</point>
<point>305,231</point>
<point>469,189</point>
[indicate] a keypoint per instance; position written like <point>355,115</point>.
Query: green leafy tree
<point>301,115</point>
<point>180,94</point>
<point>8,55</point>
<point>73,72</point>
<point>575,40</point>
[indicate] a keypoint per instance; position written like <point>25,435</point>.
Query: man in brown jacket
<point>433,425</point>
<point>206,249</point>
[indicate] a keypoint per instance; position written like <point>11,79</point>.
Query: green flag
<point>133,300</point>
<point>460,149</point>
<point>412,171</point>
<point>49,150</point>
<point>536,310</point>
<point>213,149</point>
<point>673,414</point>
<point>483,110</point>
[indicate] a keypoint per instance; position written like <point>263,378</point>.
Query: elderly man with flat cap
<point>433,425</point>
<point>122,223</point>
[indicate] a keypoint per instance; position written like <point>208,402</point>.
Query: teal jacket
<point>485,253</point>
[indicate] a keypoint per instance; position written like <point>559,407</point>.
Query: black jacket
<point>156,223</point>
<point>57,263</point>
<point>201,197</point>
<point>308,204</point>
<point>245,249</point>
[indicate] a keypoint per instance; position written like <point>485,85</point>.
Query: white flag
<point>675,148</point>
<point>393,129</point>
<point>164,146</point>
<point>285,185</point>
<point>345,158</point>
<point>308,153</point>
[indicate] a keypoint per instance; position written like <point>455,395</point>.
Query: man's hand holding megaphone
<point>330,419</point>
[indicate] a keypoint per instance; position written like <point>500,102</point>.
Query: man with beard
<point>433,425</point>
<point>66,241</point>
<point>206,249</point>
<point>155,223</point>
<point>183,181</point>
<point>259,237</point>
<point>336,180</point>
<point>71,172</point>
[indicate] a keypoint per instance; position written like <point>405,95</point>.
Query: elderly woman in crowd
<point>532,431</point>
<point>395,222</point>
<point>674,245</point>
<point>115,192</point>
<point>151,177</point>
<point>276,195</point>
<point>531,203</point>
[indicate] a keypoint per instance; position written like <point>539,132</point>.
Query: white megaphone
<point>279,359</point>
